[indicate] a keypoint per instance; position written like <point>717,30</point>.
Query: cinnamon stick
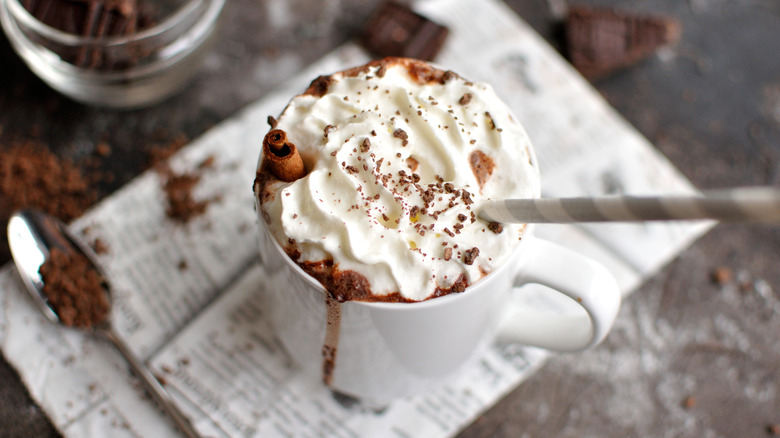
<point>282,156</point>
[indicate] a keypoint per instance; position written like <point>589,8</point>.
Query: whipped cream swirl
<point>399,158</point>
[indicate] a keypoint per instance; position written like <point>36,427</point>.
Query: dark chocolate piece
<point>396,30</point>
<point>602,41</point>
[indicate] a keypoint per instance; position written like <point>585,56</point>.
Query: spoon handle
<point>750,204</point>
<point>154,387</point>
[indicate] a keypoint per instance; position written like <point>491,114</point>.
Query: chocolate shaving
<point>482,166</point>
<point>395,30</point>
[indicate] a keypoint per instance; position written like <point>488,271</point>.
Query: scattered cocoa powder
<point>31,176</point>
<point>181,206</point>
<point>74,289</point>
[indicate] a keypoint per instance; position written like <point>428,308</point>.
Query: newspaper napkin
<point>189,298</point>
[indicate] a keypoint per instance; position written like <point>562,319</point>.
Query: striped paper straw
<point>751,204</point>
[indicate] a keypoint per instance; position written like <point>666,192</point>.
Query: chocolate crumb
<point>351,169</point>
<point>470,255</point>
<point>466,197</point>
<point>365,145</point>
<point>495,227</point>
<point>465,99</point>
<point>401,134</point>
<point>447,253</point>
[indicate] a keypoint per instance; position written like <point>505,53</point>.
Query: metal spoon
<point>31,236</point>
<point>745,204</point>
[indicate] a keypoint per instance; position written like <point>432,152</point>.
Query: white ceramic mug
<point>387,350</point>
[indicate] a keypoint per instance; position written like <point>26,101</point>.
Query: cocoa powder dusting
<point>74,289</point>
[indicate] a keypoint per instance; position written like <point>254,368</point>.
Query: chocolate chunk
<point>602,41</point>
<point>395,30</point>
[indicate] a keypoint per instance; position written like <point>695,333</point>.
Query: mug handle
<point>573,275</point>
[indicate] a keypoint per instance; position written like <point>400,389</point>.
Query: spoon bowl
<point>32,236</point>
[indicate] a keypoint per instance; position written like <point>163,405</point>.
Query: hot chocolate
<point>397,156</point>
